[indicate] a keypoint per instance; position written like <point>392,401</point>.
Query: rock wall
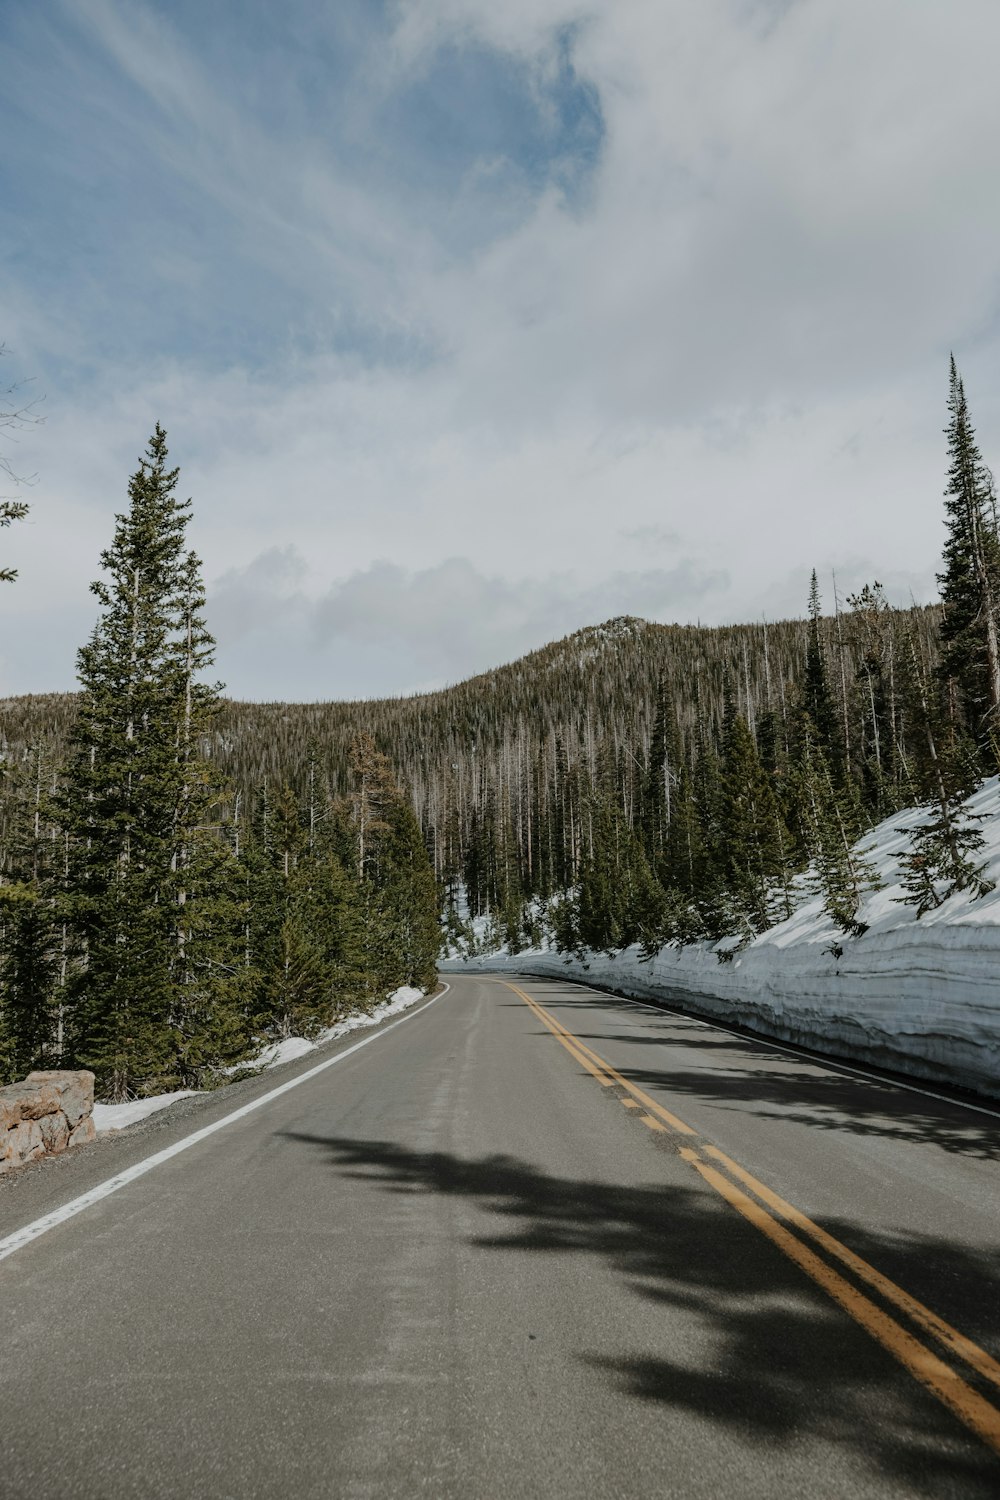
<point>45,1114</point>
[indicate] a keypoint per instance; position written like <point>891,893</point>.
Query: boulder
<point>75,1091</point>
<point>84,1133</point>
<point>32,1101</point>
<point>21,1144</point>
<point>10,1111</point>
<point>7,1150</point>
<point>55,1131</point>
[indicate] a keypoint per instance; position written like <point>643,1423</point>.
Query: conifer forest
<point>182,876</point>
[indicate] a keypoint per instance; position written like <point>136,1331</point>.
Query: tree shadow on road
<point>800,1089</point>
<point>777,1362</point>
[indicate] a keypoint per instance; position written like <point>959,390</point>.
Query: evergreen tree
<point>29,934</point>
<point>410,899</point>
<point>837,871</point>
<point>11,510</point>
<point>970,582</point>
<point>685,871</point>
<point>28,968</point>
<point>870,634</point>
<point>397,892</point>
<point>940,860</point>
<point>618,900</point>
<point>755,841</point>
<point>709,897</point>
<point>135,796</point>
<point>660,779</point>
<point>816,696</point>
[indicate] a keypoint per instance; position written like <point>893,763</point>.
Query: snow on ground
<point>921,996</point>
<point>399,1000</point>
<point>276,1053</point>
<point>116,1116</point>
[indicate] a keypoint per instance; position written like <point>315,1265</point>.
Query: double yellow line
<point>777,1219</point>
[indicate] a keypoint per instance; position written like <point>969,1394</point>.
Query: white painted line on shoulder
<point>29,1232</point>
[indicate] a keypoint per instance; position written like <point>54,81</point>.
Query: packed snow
<point>918,995</point>
<point>108,1117</point>
<point>117,1116</point>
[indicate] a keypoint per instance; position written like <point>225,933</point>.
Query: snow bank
<point>117,1116</point>
<point>920,996</point>
<point>276,1053</point>
<point>399,1000</point>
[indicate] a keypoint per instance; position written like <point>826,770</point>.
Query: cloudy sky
<point>471,324</point>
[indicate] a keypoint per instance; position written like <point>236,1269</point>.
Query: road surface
<point>528,1241</point>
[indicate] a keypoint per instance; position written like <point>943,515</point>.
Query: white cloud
<point>724,361</point>
<point>445,619</point>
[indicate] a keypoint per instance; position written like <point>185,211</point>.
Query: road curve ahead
<point>531,1241</point>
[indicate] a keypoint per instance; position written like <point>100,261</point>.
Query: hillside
<point>490,760</point>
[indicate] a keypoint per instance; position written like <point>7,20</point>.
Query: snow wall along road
<point>919,997</point>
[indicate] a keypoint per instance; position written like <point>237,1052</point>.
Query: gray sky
<point>472,324</point>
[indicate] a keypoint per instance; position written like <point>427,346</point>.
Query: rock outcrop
<point>45,1114</point>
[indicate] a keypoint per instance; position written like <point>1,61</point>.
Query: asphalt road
<point>480,1257</point>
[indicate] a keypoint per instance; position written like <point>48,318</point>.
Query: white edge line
<point>819,1061</point>
<point>29,1232</point>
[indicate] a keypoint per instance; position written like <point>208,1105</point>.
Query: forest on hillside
<point>502,768</point>
<point>636,782</point>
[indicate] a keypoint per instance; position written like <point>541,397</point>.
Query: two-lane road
<point>530,1241</point>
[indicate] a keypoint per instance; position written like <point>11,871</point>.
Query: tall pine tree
<point>136,804</point>
<point>970,583</point>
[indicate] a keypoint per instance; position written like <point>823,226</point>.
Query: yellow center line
<point>583,1052</point>
<point>960,1398</point>
<point>954,1341</point>
<point>592,1065</point>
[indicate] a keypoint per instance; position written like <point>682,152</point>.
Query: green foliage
<point>970,584</point>
<point>817,699</point>
<point>756,842</point>
<point>136,805</point>
<point>828,832</point>
<point>940,860</point>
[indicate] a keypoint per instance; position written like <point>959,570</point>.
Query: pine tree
<point>816,696</point>
<point>970,582</point>
<point>660,778</point>
<point>755,841</point>
<point>837,871</point>
<point>940,860</point>
<point>11,510</point>
<point>870,636</point>
<point>136,796</point>
<point>709,897</point>
<point>410,899</point>
<point>29,937</point>
<point>398,898</point>
<point>28,967</point>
